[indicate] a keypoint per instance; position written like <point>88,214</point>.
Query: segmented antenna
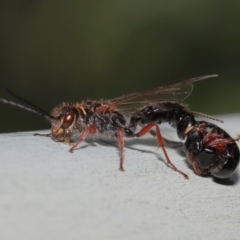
<point>34,108</point>
<point>206,116</point>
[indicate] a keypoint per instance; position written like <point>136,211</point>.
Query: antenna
<point>206,116</point>
<point>34,108</point>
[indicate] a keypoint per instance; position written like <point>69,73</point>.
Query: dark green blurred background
<point>54,51</point>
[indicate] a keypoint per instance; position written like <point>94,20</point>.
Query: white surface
<point>48,193</point>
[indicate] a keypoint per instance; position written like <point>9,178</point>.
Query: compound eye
<point>68,119</point>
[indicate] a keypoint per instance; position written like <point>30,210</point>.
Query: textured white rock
<point>48,193</point>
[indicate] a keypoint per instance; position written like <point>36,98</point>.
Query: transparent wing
<point>174,92</point>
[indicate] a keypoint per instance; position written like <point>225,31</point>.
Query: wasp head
<point>67,122</point>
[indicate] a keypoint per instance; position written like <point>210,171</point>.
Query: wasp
<point>72,123</point>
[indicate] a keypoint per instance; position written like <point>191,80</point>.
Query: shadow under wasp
<point>209,149</point>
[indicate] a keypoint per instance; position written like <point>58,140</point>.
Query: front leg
<point>43,134</point>
<point>89,129</point>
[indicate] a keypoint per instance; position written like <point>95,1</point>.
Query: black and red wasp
<point>73,123</point>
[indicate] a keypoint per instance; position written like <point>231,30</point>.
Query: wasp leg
<point>121,146</point>
<point>43,135</point>
<point>146,129</point>
<point>174,144</point>
<point>89,129</point>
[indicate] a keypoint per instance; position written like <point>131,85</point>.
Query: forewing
<point>174,92</point>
